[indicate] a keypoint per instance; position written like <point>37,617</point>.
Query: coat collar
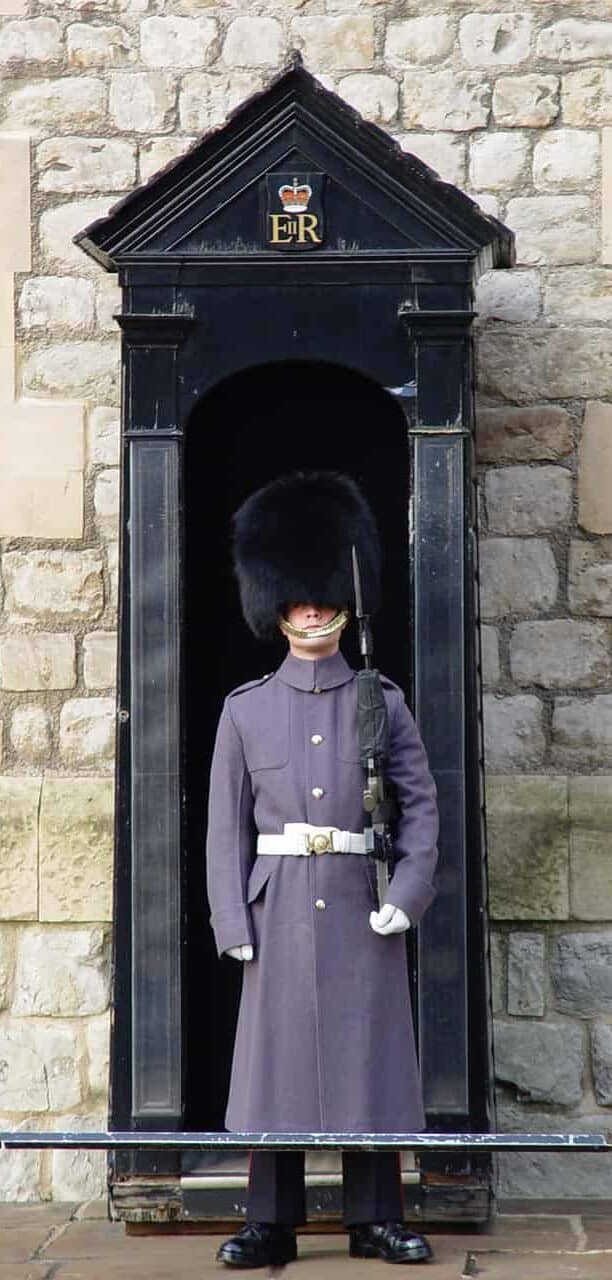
<point>323,673</point>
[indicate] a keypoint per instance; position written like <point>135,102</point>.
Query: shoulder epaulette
<point>250,684</point>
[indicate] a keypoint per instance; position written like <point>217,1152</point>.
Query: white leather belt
<point>300,839</point>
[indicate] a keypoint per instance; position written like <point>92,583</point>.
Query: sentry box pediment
<point>295,169</point>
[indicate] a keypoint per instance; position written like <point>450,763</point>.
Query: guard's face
<point>307,616</point>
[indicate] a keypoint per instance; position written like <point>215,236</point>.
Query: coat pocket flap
<point>260,874</point>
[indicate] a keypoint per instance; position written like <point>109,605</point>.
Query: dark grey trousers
<point>371,1187</point>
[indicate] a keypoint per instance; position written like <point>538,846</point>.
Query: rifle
<point>373,732</point>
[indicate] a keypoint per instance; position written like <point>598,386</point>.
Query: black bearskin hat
<point>293,541</point>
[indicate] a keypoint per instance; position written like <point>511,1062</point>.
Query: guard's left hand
<point>389,920</point>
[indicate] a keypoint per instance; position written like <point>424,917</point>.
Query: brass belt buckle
<point>322,842</point>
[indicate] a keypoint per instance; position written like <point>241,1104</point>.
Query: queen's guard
<point>324,1041</point>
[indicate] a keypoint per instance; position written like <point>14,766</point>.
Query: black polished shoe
<point>259,1244</point>
<point>390,1241</point>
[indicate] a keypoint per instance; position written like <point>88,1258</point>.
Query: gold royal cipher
<point>294,217</point>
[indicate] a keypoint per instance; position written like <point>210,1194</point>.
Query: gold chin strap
<point>339,619</point>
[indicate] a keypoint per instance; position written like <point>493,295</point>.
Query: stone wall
<point>512,103</point>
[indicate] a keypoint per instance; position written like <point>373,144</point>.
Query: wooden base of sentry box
<point>197,1205</point>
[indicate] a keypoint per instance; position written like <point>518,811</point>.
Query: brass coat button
<point>317,792</point>
<point>316,689</point>
<point>320,904</point>
<point>317,739</point>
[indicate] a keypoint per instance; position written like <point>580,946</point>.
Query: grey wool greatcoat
<point>324,1040</point>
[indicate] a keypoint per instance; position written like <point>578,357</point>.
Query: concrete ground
<point>76,1242</point>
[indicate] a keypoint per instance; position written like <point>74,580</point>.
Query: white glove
<point>389,920</point>
<point>245,952</point>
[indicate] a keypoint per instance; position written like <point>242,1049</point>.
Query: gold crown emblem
<point>295,198</point>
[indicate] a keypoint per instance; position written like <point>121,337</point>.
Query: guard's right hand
<point>245,952</point>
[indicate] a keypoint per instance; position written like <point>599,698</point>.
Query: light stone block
<point>527,974</point>
<point>30,734</point>
<point>528,499</point>
<point>112,559</point>
<point>595,469</point>
<point>142,101</point>
<point>84,370</point>
<point>108,303</point>
<point>528,841</point>
<point>7,336</point>
<point>426,39</point>
<point>41,469</point>
<point>579,293</point>
<point>567,158</point>
<point>508,295</point>
<point>375,96</point>
<point>155,153</point>
<point>7,948</point>
<point>76,849</point>
<point>517,576</point>
<point>106,502</point>
<point>497,953</point>
<point>495,39</point>
<point>76,102</point>
<point>581,972</point>
<point>253,42</point>
<point>526,1174</point>
<point>445,100</point>
<point>590,810</point>
<point>532,433</point>
<point>53,302</point>
<point>61,972</point>
<point>582,732</point>
<point>100,659</point>
<point>606,196</point>
<point>586,96</point>
<point>43,504</point>
<point>79,1175</point>
<point>443,152</point>
<point>23,1081</point>
<point>44,660</point>
<point>555,364</point>
<point>42,1065</point>
<point>65,586</point>
<point>575,40</point>
<point>345,42</point>
<point>601,1054</point>
<point>35,435</point>
<point>489,648</point>
<point>561,653</point>
<point>98,1047</point>
<point>86,164</point>
<point>19,801</point>
<point>20,1171</point>
<point>30,41</point>
<point>177,42</point>
<point>590,577</point>
<point>206,100</point>
<point>87,731</point>
<point>15,229</point>
<point>499,160</point>
<point>513,732</point>
<point>92,45</point>
<point>536,221</point>
<point>487,203</point>
<point>530,101</point>
<point>104,436</point>
<point>544,1061</point>
<point>60,224</point>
